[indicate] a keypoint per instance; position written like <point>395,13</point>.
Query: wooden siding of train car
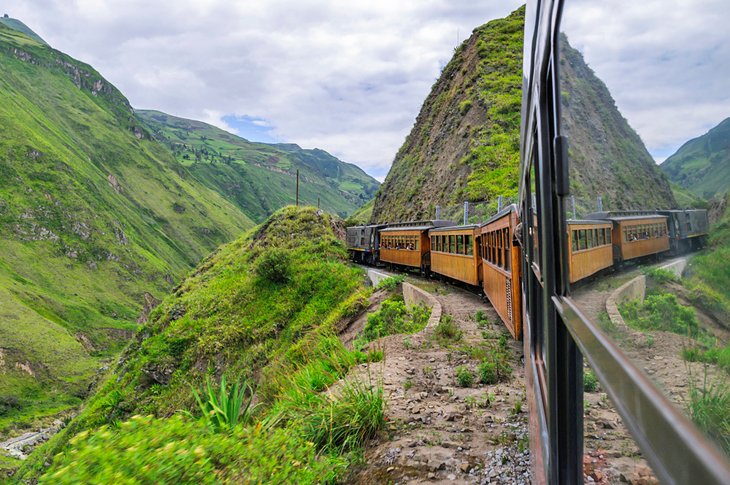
<point>405,257</point>
<point>585,262</point>
<point>501,286</point>
<point>460,267</point>
<point>642,247</point>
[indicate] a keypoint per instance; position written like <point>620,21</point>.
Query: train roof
<point>500,214</point>
<point>366,225</point>
<point>602,215</point>
<point>454,228</point>
<point>588,221</point>
<point>417,225</point>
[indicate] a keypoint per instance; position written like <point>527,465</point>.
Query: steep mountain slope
<point>16,24</point>
<point>258,177</point>
<point>95,219</point>
<point>702,165</point>
<point>262,309</point>
<point>607,156</point>
<point>465,142</point>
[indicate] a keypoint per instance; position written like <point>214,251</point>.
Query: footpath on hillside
<point>441,429</point>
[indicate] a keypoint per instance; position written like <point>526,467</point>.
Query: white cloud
<point>350,77</point>
<point>666,64</point>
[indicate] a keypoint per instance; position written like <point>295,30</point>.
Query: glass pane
<point>642,86</point>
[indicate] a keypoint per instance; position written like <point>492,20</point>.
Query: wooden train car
<point>455,254</point>
<point>590,248</point>
<point>408,245</point>
<point>636,236</point>
<point>501,270</point>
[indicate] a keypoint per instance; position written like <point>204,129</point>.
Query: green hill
<point>702,165</point>
<point>465,141</point>
<point>258,177</point>
<point>96,219</point>
<point>264,309</point>
<point>16,24</point>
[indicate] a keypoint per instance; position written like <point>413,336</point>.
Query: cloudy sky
<point>350,76</point>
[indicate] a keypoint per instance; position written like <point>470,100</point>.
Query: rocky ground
<point>440,432</point>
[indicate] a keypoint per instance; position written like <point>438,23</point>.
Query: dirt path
<point>437,431</point>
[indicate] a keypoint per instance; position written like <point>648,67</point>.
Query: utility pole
<point>572,201</point>
<point>466,212</point>
<point>297,187</point>
<point>438,212</point>
<point>317,202</point>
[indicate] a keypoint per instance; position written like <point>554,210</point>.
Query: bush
<point>464,376</point>
<point>590,382</point>
<point>487,372</point>
<point>391,282</point>
<point>180,450</point>
<point>709,407</point>
<point>446,330</point>
<point>274,266</point>
<point>226,409</point>
<point>719,356</point>
<point>393,318</point>
<point>661,312</point>
<point>660,275</point>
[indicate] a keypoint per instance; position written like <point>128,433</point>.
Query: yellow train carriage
<point>590,248</point>
<point>454,253</point>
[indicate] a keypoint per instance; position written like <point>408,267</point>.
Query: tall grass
<point>709,408</point>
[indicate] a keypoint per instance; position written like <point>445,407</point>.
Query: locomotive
<point>488,255</point>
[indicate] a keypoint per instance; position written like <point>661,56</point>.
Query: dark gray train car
<point>363,243</point>
<point>688,229</point>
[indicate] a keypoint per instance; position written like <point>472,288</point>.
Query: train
<point>488,255</point>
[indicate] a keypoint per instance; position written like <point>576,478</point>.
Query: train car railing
<point>557,336</point>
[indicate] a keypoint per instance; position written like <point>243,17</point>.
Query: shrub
<point>224,410</point>
<point>464,376</point>
<point>447,330</point>
<point>487,372</point>
<point>719,356</point>
<point>590,382</point>
<point>464,106</point>
<point>481,318</point>
<point>661,312</point>
<point>274,266</point>
<point>180,450</point>
<point>709,407</point>
<point>660,275</point>
<point>393,318</point>
<point>391,282</point>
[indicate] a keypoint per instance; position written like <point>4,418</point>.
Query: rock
<point>465,467</point>
<point>451,477</point>
<point>390,469</point>
<point>431,475</point>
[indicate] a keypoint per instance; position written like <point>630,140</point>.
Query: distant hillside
<point>16,24</point>
<point>465,141</point>
<point>607,157</point>
<point>258,177</point>
<point>96,219</point>
<point>702,165</point>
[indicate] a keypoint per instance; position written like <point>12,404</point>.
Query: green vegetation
<point>277,335</point>
<point>494,152</point>
<point>393,317</point>
<point>391,282</point>
<point>464,376</point>
<point>590,382</point>
<point>702,165</point>
<point>660,276</point>
<point>95,219</point>
<point>719,356</point>
<point>180,450</point>
<point>223,411</point>
<point>362,215</point>
<point>258,177</point>
<point>708,408</point>
<point>661,312</point>
<point>447,331</point>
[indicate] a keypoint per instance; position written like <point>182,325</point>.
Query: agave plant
<point>224,410</point>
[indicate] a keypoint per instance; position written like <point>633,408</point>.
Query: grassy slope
<point>78,253</point>
<point>258,177</point>
<point>225,318</point>
<point>16,24</point>
<point>710,270</point>
<point>702,165</point>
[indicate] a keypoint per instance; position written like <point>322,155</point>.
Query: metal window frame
<point>556,334</point>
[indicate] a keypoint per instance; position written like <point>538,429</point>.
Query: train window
<point>574,240</point>
<point>600,235</point>
<point>459,244</point>
<point>507,245</point>
<point>468,245</point>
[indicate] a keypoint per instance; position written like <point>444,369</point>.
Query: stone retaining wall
<point>636,290</point>
<point>412,295</point>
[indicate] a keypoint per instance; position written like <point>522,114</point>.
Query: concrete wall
<point>636,290</point>
<point>412,295</point>
<point>677,267</point>
<point>376,276</point>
